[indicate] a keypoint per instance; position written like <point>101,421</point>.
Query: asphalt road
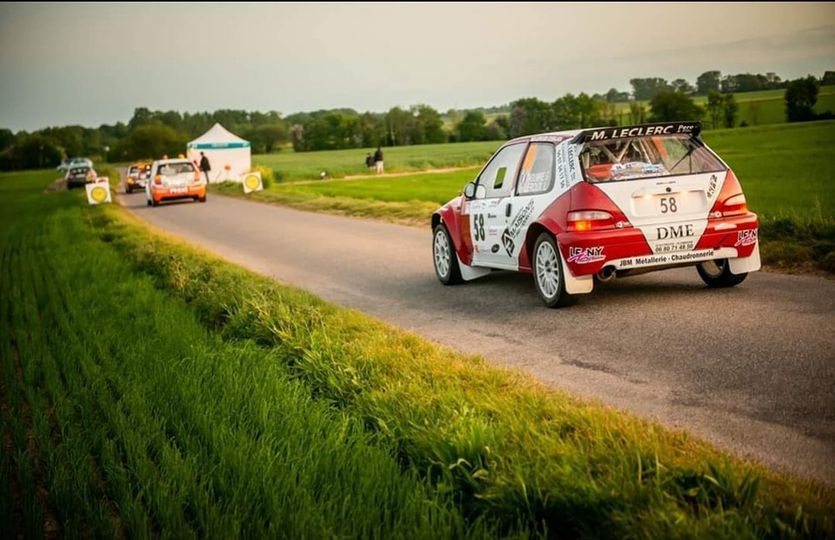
<point>751,368</point>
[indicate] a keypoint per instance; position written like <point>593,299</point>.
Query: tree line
<point>154,133</point>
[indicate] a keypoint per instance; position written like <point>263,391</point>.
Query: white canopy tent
<point>229,155</point>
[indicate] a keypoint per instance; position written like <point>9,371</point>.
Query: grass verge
<point>210,401</point>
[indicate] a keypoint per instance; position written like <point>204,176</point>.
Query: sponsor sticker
<point>568,170</point>
<point>674,231</point>
<point>658,258</point>
<point>675,128</point>
<point>517,224</point>
<point>588,255</point>
<point>670,247</point>
<point>711,186</point>
<point>556,139</point>
<point>746,238</point>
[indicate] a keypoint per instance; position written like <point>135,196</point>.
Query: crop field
<point>148,389</point>
<point>340,163</point>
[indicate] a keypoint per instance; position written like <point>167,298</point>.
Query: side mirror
<point>469,190</point>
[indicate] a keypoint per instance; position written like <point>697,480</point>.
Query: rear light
<point>585,220</point>
<point>731,200</point>
<point>594,210</point>
<point>735,206</point>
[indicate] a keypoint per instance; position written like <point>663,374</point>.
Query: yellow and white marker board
<point>252,182</point>
<point>98,192</point>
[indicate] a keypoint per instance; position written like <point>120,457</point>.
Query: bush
<point>801,96</point>
<point>669,106</point>
<point>783,253</point>
<point>266,175</point>
<point>828,262</point>
<point>791,241</point>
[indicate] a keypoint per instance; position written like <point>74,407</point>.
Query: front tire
<point>202,199</point>
<point>717,274</point>
<point>444,257</point>
<point>548,273</point>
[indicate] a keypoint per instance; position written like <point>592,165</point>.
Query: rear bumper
<point>587,253</point>
<point>169,194</point>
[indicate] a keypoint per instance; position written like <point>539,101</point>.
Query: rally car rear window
<point>170,169</point>
<point>646,157</point>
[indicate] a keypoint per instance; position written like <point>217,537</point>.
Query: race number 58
<point>478,228</point>
<point>668,204</point>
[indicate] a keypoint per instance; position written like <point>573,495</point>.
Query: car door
<point>532,194</point>
<point>487,214</point>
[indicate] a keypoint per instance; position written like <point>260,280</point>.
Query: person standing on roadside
<point>378,159</point>
<point>205,166</point>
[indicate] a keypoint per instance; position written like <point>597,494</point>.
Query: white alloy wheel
<point>548,273</point>
<point>444,257</point>
<point>442,254</point>
<point>547,270</point>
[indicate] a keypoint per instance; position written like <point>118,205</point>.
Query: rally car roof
<point>578,136</point>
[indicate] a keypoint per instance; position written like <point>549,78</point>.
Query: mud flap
<point>575,285</point>
<point>743,265</point>
<point>469,273</point>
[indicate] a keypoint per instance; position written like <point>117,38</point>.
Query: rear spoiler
<point>643,130</point>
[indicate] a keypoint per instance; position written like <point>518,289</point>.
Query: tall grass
<point>213,402</point>
<point>163,428</point>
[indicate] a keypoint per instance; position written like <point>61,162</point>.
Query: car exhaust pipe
<point>607,273</point>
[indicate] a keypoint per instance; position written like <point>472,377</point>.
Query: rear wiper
<point>685,156</point>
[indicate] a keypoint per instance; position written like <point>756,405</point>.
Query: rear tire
<point>548,273</point>
<point>202,199</point>
<point>154,203</point>
<point>717,274</point>
<point>444,257</point>
<point>129,189</point>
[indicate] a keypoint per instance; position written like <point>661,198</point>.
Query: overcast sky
<point>90,64</point>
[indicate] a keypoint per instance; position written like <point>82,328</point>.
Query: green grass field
<point>755,108</point>
<point>151,390</point>
<point>786,170</point>
<point>340,163</point>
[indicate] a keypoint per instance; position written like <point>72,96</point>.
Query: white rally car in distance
<point>602,202</point>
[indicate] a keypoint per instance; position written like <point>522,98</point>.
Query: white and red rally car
<point>602,202</point>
